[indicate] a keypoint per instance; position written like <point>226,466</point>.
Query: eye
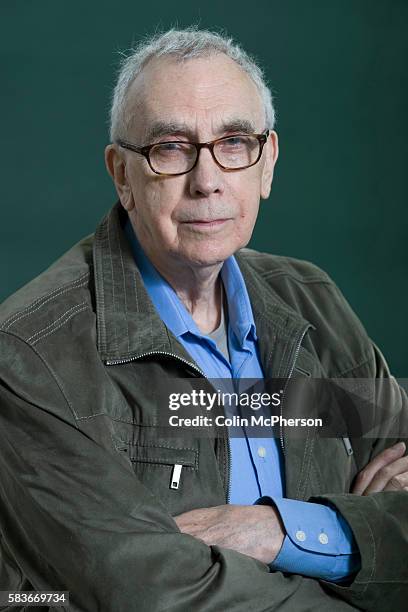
<point>168,147</point>
<point>235,141</point>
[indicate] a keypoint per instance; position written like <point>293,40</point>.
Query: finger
<point>385,474</point>
<point>367,474</point>
<point>398,483</point>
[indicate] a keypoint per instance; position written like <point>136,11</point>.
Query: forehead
<point>201,93</point>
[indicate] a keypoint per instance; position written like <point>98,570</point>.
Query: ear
<point>272,152</point>
<point>116,166</point>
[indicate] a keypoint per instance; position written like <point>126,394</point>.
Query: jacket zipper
<point>227,469</point>
<point>129,359</point>
<point>296,354</point>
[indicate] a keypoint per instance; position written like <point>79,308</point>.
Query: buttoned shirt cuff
<point>318,541</point>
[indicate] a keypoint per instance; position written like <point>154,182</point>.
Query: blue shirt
<point>318,541</point>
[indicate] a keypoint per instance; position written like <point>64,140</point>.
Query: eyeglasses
<point>177,157</point>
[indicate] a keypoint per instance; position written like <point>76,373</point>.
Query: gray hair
<point>183,45</point>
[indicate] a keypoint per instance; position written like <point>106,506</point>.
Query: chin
<point>201,256</point>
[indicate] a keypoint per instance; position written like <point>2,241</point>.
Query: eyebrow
<point>169,128</point>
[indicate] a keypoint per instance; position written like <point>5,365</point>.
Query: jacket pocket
<point>170,473</point>
<point>163,455</point>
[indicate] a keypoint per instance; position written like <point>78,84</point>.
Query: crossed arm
<point>257,531</point>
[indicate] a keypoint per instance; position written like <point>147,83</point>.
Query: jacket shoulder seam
<point>52,327</point>
<point>323,280</point>
<point>40,302</point>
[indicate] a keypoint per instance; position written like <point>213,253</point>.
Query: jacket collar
<point>129,326</point>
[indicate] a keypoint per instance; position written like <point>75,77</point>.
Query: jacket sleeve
<point>74,517</point>
<point>379,521</point>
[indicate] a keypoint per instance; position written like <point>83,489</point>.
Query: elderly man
<point>97,497</point>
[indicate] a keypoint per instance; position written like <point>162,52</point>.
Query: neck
<point>200,290</point>
<point>199,287</point>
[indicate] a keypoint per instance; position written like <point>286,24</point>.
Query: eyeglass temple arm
<point>128,145</point>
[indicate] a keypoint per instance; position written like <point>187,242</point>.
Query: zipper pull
<point>347,445</point>
<point>175,476</point>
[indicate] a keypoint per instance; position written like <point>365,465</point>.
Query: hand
<point>387,472</point>
<point>255,531</point>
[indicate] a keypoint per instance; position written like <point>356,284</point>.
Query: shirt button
<point>323,539</point>
<point>262,451</point>
<point>301,536</point>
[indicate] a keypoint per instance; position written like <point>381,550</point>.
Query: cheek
<point>162,198</point>
<point>244,228</point>
<point>157,209</point>
<point>247,191</point>
<point>248,212</point>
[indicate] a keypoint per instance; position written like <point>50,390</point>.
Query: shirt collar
<point>240,314</point>
<point>173,312</point>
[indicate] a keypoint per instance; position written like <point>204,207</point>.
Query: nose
<point>206,178</point>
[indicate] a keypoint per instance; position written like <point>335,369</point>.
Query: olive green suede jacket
<point>85,501</point>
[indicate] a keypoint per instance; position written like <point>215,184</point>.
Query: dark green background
<point>339,72</point>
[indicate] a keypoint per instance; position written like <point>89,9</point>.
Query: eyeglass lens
<point>176,157</point>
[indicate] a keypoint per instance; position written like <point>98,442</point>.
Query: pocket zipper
<point>347,445</point>
<point>175,476</point>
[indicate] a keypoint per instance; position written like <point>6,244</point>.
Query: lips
<point>206,221</point>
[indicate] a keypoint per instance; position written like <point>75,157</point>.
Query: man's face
<point>202,217</point>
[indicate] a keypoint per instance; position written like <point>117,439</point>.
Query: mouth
<point>204,224</point>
